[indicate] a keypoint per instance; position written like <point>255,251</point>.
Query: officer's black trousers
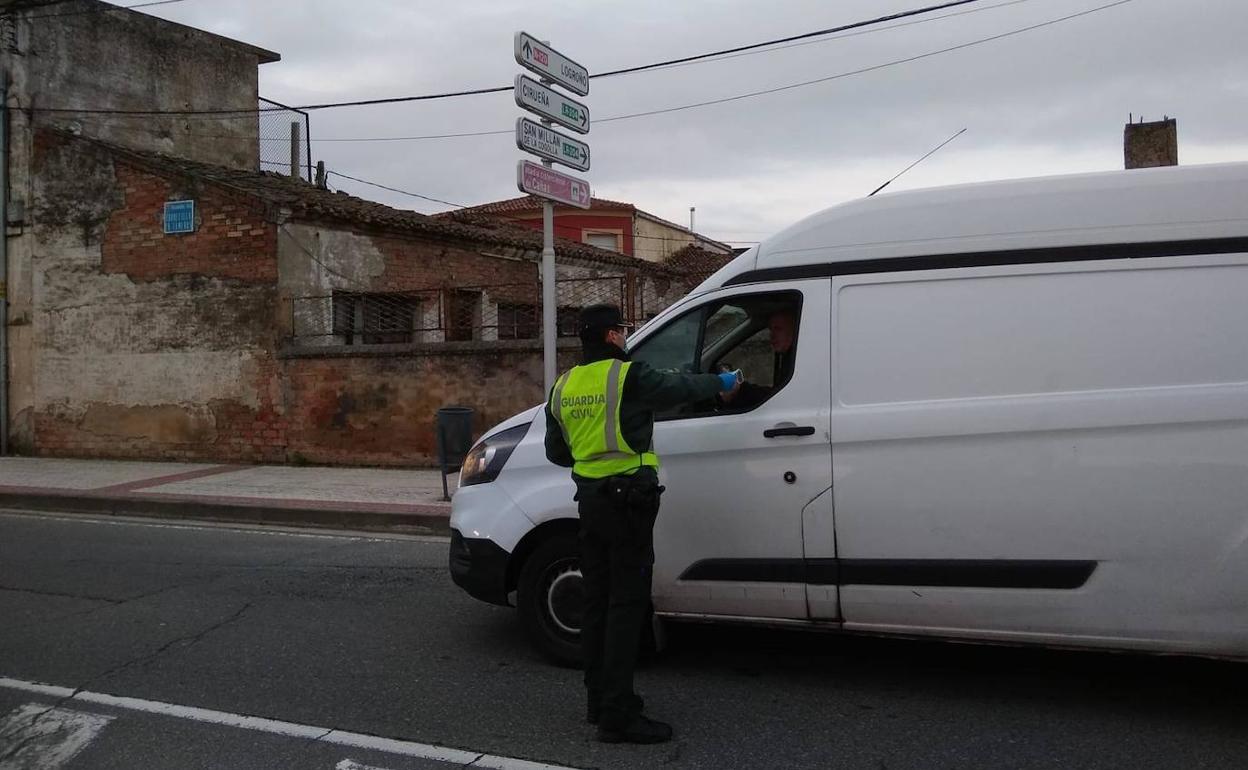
<point>617,559</point>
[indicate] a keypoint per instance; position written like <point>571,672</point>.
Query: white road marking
<point>351,764</point>
<point>268,530</point>
<point>278,727</point>
<point>48,737</point>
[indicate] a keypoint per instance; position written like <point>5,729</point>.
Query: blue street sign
<point>179,217</point>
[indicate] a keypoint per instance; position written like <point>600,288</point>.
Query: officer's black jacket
<point>646,390</point>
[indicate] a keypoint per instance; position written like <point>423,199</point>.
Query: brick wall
<point>222,430</point>
<point>413,264</point>
<point>379,409</point>
<point>231,239</point>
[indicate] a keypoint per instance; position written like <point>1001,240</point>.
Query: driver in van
<point>782,326</point>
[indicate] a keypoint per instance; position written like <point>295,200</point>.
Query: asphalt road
<point>367,636</point>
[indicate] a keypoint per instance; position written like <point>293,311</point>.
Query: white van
<point>1015,412</point>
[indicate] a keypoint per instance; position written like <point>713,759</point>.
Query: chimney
<point>692,209</point>
<point>1146,145</point>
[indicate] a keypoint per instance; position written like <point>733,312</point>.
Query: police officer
<point>600,423</point>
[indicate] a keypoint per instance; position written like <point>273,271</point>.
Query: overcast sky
<point>1048,101</point>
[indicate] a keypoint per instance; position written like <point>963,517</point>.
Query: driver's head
<point>782,325</point>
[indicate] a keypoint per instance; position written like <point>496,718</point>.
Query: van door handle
<point>793,430</point>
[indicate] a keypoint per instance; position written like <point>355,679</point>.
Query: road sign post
<point>552,147</point>
<point>550,184</point>
<point>549,64</point>
<point>551,105</point>
<point>548,144</point>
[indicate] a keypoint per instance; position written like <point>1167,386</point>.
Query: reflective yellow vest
<point>586,403</point>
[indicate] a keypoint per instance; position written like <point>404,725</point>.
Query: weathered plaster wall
<point>147,345</point>
<point>656,242</point>
<point>91,55</point>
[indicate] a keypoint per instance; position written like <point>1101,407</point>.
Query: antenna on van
<point>933,151</point>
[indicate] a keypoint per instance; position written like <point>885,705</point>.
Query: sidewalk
<point>344,498</point>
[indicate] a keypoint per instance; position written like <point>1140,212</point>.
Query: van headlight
<point>485,460</point>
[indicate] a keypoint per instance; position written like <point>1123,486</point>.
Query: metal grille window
<point>518,322</point>
<point>482,313</point>
<point>375,319</point>
<point>463,315</point>
<point>568,321</point>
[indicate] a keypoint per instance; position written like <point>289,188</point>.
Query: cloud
<point>1051,100</point>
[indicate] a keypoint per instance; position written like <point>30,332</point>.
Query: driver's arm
<point>747,395</point>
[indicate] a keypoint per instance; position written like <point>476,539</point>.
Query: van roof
<point>1176,203</point>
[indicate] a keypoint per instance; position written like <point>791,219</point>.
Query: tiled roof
<point>530,203</point>
<point>692,260</point>
<point>308,202</point>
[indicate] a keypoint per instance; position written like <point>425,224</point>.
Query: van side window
<point>756,333</point>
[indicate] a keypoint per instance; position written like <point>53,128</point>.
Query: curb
<point>434,520</point>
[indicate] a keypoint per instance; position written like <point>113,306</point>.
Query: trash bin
<point>454,439</point>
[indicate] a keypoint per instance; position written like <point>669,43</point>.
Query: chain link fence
<point>456,314</point>
<point>285,140</point>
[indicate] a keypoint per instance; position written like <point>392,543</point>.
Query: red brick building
<point>611,225</point>
<point>290,324</point>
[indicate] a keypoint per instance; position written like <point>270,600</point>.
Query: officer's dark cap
<point>602,317</point>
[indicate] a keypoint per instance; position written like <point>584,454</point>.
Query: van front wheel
<point>549,599</point>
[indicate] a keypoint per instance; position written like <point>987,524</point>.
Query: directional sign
<point>547,183</point>
<point>550,104</point>
<point>547,143</point>
<point>550,64</point>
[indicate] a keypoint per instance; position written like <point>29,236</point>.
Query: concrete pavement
<point>345,498</point>
<point>341,635</point>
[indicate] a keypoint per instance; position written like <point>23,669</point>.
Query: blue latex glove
<point>728,380</point>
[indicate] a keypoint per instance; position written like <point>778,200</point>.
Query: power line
<point>500,89</point>
<point>858,33</point>
<point>397,190</point>
<point>245,115</point>
<point>778,41</point>
<point>101,10</point>
<point>862,70</point>
<point>764,92</point>
<point>461,206</point>
<point>752,94</point>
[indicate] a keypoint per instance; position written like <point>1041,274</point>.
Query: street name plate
<point>547,183</point>
<point>548,63</point>
<point>179,217</point>
<point>547,143</point>
<point>550,104</point>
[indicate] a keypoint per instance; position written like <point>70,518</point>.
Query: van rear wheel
<point>549,600</point>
